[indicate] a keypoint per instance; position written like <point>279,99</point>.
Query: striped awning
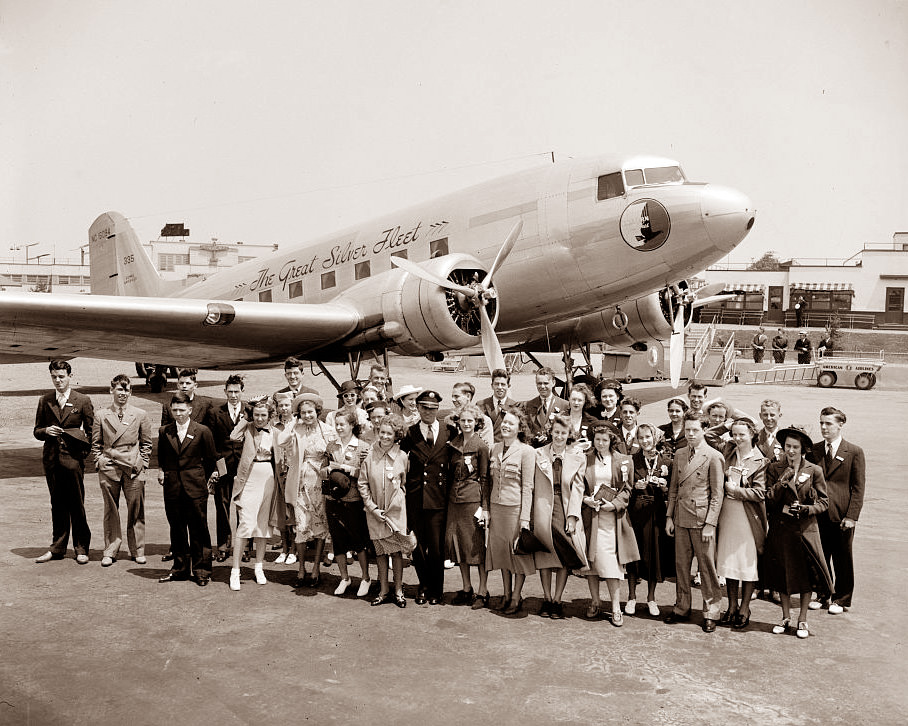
<point>827,286</point>
<point>746,286</point>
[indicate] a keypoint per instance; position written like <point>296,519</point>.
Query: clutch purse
<point>527,543</point>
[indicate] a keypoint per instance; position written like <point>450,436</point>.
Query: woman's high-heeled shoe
<point>513,608</point>
<point>728,617</point>
<point>784,625</point>
<point>740,622</point>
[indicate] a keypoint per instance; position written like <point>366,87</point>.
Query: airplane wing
<point>177,331</point>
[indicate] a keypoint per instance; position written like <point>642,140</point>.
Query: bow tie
<point>264,429</point>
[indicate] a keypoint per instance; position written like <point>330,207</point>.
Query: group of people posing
<point>549,485</point>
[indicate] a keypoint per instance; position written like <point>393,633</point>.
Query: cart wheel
<point>872,379</point>
<point>863,381</point>
<point>628,379</point>
<point>826,379</point>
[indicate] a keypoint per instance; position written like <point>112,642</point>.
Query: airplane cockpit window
<point>653,175</point>
<point>610,185</point>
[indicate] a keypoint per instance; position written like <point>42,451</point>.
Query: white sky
<point>272,121</point>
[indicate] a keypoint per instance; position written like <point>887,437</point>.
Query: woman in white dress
<point>742,522</point>
<point>305,451</point>
<point>283,521</point>
<point>253,488</point>
<point>610,537</point>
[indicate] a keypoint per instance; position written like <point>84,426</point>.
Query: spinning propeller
<point>477,295</point>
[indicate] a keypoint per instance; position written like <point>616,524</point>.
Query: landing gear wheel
<point>140,370</point>
<point>826,379</point>
<point>863,381</point>
<point>157,382</point>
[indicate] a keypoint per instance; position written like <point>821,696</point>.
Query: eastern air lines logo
<point>645,225</point>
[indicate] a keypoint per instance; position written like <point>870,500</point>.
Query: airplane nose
<point>727,215</point>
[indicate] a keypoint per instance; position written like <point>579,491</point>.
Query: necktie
<point>690,456</point>
<point>120,414</point>
<point>827,465</point>
<point>556,473</point>
<point>61,400</point>
<point>627,439</point>
<point>430,439</point>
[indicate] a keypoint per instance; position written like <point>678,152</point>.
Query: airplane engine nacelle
<point>418,317</point>
<point>646,319</point>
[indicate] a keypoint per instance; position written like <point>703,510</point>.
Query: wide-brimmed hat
<point>406,391</point>
<point>800,433</point>
<point>347,387</point>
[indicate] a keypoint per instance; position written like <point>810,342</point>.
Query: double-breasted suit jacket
<point>573,467</point>
<point>487,406</point>
<point>121,449</point>
<point>64,467</point>
<point>539,414</point>
<point>186,467</point>
<point>844,476</point>
<point>695,492</point>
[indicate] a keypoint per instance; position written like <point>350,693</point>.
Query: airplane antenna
<point>553,156</point>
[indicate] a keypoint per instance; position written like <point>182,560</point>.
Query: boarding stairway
<point>712,356</point>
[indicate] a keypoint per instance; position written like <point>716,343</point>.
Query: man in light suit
<point>63,422</point>
<point>187,455</point>
<point>495,405</point>
<point>694,502</point>
<point>540,410</point>
<point>121,446</point>
<point>427,495</point>
<point>843,468</point>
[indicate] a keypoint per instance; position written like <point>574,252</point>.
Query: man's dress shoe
<point>709,625</point>
<point>47,557</point>
<point>174,577</point>
<point>167,558</point>
<point>674,617</point>
<point>202,580</point>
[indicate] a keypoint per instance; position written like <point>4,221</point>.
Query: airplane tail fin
<point>119,264</point>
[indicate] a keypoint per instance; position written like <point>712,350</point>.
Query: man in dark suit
<point>770,414</point>
<point>63,422</point>
<point>540,410</point>
<point>201,405</point>
<point>121,441</point>
<point>694,502</point>
<point>223,420</point>
<point>495,405</point>
<point>293,372</point>
<point>427,495</point>
<point>187,455</point>
<point>843,468</point>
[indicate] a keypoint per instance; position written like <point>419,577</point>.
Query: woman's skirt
<point>504,527</point>
<point>657,549</point>
<point>397,543</point>
<point>736,551</point>
<point>464,539</point>
<point>347,525</point>
<point>253,506</point>
<point>311,519</point>
<point>787,566</point>
<point>606,563</point>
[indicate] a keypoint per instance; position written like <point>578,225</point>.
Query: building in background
<point>867,290</point>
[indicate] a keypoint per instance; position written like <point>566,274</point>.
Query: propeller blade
<point>418,271</point>
<point>676,348</point>
<point>490,345</point>
<point>700,302</point>
<point>503,253</point>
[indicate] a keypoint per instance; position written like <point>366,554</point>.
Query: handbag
<point>528,543</point>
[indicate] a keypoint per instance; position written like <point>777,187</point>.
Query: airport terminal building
<point>867,290</point>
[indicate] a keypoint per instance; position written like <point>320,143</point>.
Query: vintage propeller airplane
<point>579,251</point>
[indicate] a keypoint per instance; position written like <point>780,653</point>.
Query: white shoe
<point>260,575</point>
<point>342,587</point>
<point>281,558</point>
<point>814,605</point>
<point>630,607</point>
<point>696,581</point>
<point>782,626</point>
<point>835,609</point>
<point>802,631</point>
<point>235,578</point>
<point>653,608</point>
<point>448,564</point>
<point>291,559</point>
<point>364,586</point>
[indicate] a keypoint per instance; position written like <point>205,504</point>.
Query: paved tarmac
<point>82,645</point>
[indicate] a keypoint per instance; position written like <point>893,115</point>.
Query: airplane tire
<point>157,383</point>
<point>863,381</point>
<point>826,379</point>
<point>140,370</point>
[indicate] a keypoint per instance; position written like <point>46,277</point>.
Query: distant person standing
<point>121,441</point>
<point>779,347</point>
<point>800,310</point>
<point>803,348</point>
<point>64,422</point>
<point>758,344</point>
<point>824,347</point>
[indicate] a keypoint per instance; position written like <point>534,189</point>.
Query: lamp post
<point>24,247</point>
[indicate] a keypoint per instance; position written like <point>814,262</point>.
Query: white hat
<point>406,391</point>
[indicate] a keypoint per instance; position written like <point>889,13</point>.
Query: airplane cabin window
<point>402,253</point>
<point>296,289</point>
<point>610,185</point>
<point>361,270</point>
<point>664,175</point>
<point>438,247</point>
<point>265,296</point>
<point>634,177</point>
<point>328,280</point>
